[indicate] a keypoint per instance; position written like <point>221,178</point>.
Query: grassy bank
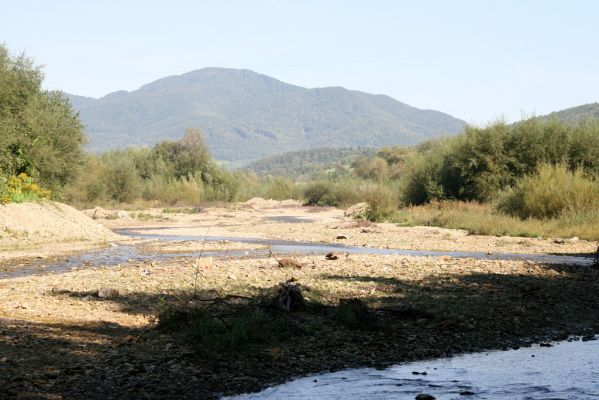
<point>484,219</point>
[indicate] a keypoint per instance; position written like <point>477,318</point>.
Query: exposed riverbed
<point>82,326</point>
<point>259,247</point>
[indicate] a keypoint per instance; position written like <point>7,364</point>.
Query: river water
<point>119,254</point>
<point>567,370</point>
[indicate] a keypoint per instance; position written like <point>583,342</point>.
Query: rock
<point>332,256</point>
<point>342,237</point>
<point>105,293</point>
<point>573,239</point>
<point>356,210</point>
<point>425,396</point>
<point>559,241</point>
<point>122,214</point>
<point>467,392</point>
<point>289,263</point>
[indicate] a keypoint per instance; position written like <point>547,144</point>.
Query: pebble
<point>105,293</point>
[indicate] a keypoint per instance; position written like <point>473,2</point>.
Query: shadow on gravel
<point>376,321</point>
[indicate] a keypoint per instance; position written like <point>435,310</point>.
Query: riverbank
<point>289,221</point>
<point>90,333</point>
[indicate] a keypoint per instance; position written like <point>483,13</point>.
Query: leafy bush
<point>381,203</point>
<point>41,134</point>
<point>550,192</point>
<point>354,314</point>
<point>321,194</point>
<point>21,188</point>
<point>481,162</point>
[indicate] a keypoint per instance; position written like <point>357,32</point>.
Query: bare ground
<point>90,333</point>
<point>324,225</point>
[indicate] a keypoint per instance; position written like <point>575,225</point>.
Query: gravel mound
<point>48,221</point>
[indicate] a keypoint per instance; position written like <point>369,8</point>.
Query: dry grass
<point>483,219</point>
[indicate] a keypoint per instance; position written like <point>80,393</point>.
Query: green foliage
<point>381,203</point>
<point>248,116</point>
<point>553,190</point>
<point>375,168</point>
<point>170,173</point>
<point>122,180</point>
<point>485,219</point>
<point>186,156</point>
<point>354,314</point>
<point>321,194</point>
<point>481,162</point>
<point>41,135</point>
<point>213,335</point>
<point>21,188</point>
<point>310,164</point>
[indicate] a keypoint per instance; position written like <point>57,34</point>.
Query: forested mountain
<point>576,114</point>
<point>308,163</point>
<point>246,116</point>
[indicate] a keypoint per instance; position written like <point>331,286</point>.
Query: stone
<point>106,293</point>
<point>332,256</point>
<point>425,396</point>
<point>356,210</point>
<point>122,214</point>
<point>342,237</point>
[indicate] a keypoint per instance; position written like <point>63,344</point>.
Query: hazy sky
<point>477,60</point>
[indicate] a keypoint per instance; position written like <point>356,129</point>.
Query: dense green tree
<point>40,135</point>
<point>188,156</point>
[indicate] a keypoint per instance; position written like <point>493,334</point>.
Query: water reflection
<point>568,370</point>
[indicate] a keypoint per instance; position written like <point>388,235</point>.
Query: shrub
<point>381,203</point>
<point>354,314</point>
<point>482,161</point>
<point>21,188</point>
<point>321,194</point>
<point>550,192</point>
<point>41,134</point>
<point>122,181</point>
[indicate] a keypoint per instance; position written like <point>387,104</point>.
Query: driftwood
<point>289,297</point>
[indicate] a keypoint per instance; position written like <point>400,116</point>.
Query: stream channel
<point>123,253</point>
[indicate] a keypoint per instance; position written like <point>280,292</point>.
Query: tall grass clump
<point>382,202</point>
<point>552,191</point>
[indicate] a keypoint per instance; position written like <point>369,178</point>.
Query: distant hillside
<point>576,114</point>
<point>247,116</point>
<point>307,163</point>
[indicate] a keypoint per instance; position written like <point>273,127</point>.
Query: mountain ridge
<point>246,115</point>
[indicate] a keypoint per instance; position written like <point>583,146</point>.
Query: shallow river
<point>124,253</point>
<point>568,370</point>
